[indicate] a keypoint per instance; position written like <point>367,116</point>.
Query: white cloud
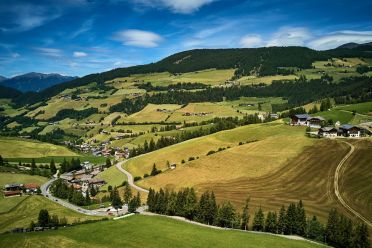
<point>79,54</point>
<point>251,41</point>
<point>177,6</point>
<point>86,26</point>
<point>336,39</point>
<point>139,38</point>
<point>50,52</point>
<point>290,36</point>
<point>28,16</point>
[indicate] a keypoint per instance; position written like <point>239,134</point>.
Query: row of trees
<point>179,86</point>
<point>67,166</point>
<point>133,202</point>
<point>292,220</point>
<point>47,220</point>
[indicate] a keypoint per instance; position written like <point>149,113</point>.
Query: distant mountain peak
<point>352,45</point>
<point>35,81</point>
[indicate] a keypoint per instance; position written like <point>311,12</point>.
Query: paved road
<point>45,191</point>
<point>119,166</point>
<point>336,186</point>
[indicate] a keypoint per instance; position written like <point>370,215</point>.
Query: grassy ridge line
<point>147,231</point>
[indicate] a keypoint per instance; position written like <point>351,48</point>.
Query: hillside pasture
<point>355,183</point>
<point>25,148</point>
<point>6,204</point>
<point>28,210</point>
<point>199,147</point>
<point>152,113</point>
<point>248,80</point>
<point>148,231</point>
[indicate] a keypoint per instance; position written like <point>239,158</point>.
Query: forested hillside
<point>247,61</point>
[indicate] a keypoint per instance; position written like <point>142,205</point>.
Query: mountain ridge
<point>34,81</point>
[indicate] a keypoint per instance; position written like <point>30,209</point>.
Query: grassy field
<point>355,184</point>
<point>199,147</point>
<point>211,77</point>
<point>113,176</point>
<point>247,80</point>
<point>21,148</point>
<point>147,231</point>
<point>28,210</point>
<point>212,110</point>
<point>360,108</point>
<point>7,204</point>
<point>151,114</point>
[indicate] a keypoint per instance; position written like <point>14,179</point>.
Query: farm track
<point>338,173</point>
<point>129,176</point>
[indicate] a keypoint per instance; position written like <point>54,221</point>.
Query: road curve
<point>119,166</point>
<point>336,186</point>
<point>45,191</point>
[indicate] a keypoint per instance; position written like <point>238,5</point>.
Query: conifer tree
<point>300,221</point>
<point>127,194</point>
<point>315,230</point>
<point>245,216</point>
<point>52,166</point>
<point>290,219</point>
<point>282,220</point>
<point>258,221</point>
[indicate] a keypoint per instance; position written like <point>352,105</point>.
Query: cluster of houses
<point>102,149</point>
<point>197,114</point>
<point>82,180</point>
<point>318,122</point>
<point>17,189</point>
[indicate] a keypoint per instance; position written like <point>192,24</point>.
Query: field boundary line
<point>336,186</point>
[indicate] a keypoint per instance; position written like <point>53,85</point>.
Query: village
<point>337,131</point>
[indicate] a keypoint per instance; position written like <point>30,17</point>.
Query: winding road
<point>336,186</point>
<point>45,191</point>
<point>119,166</point>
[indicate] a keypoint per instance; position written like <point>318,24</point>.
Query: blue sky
<point>78,37</point>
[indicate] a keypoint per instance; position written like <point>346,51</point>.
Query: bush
<point>137,178</point>
<point>146,175</point>
<point>211,152</point>
<point>183,161</point>
<point>191,158</point>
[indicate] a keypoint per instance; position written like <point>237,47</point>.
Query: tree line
<point>297,92</point>
<point>291,220</point>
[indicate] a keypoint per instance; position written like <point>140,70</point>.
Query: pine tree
<point>108,163</point>
<point>44,218</point>
<point>315,230</point>
<point>271,222</point>
<point>360,239</point>
<point>282,220</point>
<point>115,199</point>
<point>190,204</point>
<point>127,194</point>
<point>151,200</point>
<point>154,171</point>
<point>258,221</point>
<point>52,166</point>
<point>290,219</point>
<point>227,216</point>
<point>1,161</point>
<point>245,216</point>
<point>331,228</point>
<point>300,225</point>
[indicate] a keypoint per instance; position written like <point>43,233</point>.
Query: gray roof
<point>316,117</point>
<point>327,129</point>
<point>347,126</point>
<point>302,116</point>
<point>11,185</point>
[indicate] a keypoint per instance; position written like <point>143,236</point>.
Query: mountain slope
<point>2,78</point>
<point>34,81</point>
<point>247,61</point>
